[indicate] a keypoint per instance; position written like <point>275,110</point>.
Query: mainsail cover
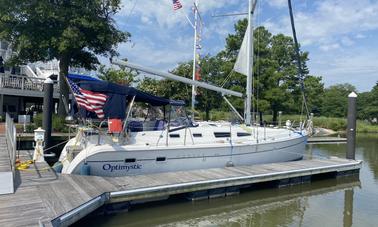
<point>117,97</point>
<point>241,63</point>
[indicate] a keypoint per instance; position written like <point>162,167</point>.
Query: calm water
<point>342,202</point>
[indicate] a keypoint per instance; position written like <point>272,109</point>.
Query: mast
<point>194,54</point>
<point>247,111</point>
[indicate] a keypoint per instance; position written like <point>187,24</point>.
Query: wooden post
<point>351,129</point>
<point>48,105</point>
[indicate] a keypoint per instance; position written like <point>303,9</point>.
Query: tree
<point>314,90</point>
<point>335,100</point>
<point>73,31</point>
<point>169,88</point>
<point>121,76</point>
<point>206,99</point>
<point>275,73</point>
<point>211,72</point>
<point>368,104</point>
<point>276,82</point>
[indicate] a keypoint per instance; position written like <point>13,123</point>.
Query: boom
<point>171,76</point>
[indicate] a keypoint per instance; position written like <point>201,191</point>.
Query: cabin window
<point>174,135</point>
<point>240,134</point>
<point>128,160</point>
<point>197,134</point>
<point>222,134</point>
<point>160,159</point>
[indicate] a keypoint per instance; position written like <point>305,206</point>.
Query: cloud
<point>356,66</point>
<point>330,29</point>
<point>162,11</point>
<point>327,47</point>
<point>160,34</point>
<point>329,19</point>
<point>146,52</point>
<point>278,3</point>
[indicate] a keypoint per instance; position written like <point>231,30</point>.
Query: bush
<point>58,123</point>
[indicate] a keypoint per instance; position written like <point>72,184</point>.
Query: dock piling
<point>48,88</point>
<point>351,129</point>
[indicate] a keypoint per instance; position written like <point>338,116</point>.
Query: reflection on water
<point>348,208</point>
<point>335,202</point>
<point>272,207</point>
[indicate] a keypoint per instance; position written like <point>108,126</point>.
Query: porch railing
<point>23,82</point>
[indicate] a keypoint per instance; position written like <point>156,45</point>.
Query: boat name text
<point>118,167</point>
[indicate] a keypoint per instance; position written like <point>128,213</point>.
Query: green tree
<point>314,89</point>
<point>206,99</point>
<point>368,105</point>
<point>73,31</point>
<point>335,100</point>
<point>169,88</point>
<point>123,76</point>
<point>275,76</point>
<point>275,73</point>
<point>211,72</point>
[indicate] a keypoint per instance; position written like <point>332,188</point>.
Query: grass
<point>334,123</point>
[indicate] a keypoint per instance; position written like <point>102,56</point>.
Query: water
<point>334,202</point>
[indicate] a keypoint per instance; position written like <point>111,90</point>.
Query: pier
<point>43,197</point>
<point>326,139</point>
<point>38,196</point>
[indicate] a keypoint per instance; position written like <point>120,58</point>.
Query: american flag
<point>176,5</point>
<point>91,101</point>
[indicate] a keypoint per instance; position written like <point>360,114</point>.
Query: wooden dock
<point>326,140</point>
<point>44,198</point>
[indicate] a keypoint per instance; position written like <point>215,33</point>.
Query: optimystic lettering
<point>118,167</point>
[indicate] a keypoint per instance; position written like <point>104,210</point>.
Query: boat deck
<point>44,197</point>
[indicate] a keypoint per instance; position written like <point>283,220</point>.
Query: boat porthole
<point>128,160</point>
<point>160,159</point>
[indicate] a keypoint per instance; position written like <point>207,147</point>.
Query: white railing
<point>22,82</point>
<point>27,70</point>
<point>10,133</point>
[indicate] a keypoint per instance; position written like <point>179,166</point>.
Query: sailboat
<point>166,139</point>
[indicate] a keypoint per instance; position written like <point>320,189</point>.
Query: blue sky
<point>340,35</point>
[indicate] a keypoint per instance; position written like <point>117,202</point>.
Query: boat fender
<point>85,169</point>
<point>57,167</point>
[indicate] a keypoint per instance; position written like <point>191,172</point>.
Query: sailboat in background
<point>168,140</point>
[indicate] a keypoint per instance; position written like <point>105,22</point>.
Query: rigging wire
<point>299,62</point>
<point>227,78</point>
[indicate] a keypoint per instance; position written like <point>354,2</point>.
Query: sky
<point>341,36</point>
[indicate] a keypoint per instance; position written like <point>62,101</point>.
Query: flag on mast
<point>176,5</point>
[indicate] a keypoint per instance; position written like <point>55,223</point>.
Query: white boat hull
<point>105,160</point>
